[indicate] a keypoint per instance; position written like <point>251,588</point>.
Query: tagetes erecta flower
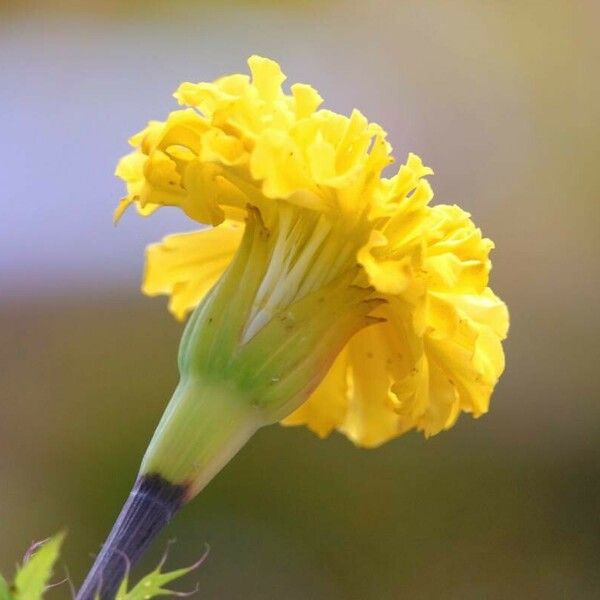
<point>428,345</point>
<point>321,293</point>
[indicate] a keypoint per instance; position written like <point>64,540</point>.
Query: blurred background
<point>502,98</point>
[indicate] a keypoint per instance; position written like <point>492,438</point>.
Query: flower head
<point>331,295</point>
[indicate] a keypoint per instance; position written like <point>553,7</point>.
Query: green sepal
<point>213,332</point>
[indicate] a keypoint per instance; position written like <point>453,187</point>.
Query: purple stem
<point>150,506</point>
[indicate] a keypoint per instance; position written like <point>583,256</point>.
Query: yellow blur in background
<point>502,99</point>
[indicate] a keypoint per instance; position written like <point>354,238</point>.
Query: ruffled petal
<point>185,266</point>
<point>432,265</point>
<point>246,142</point>
<point>306,98</point>
<point>370,419</point>
<point>389,273</point>
<point>326,407</point>
<point>267,77</point>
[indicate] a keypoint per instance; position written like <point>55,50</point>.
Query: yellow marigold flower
<point>314,179</point>
<point>323,293</point>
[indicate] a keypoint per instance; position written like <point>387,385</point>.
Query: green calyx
<point>252,352</point>
<point>273,353</point>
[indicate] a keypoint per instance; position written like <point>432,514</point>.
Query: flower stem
<point>150,506</point>
<point>203,427</point>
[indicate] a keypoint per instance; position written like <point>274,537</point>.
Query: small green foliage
<point>151,586</point>
<point>34,574</point>
<point>4,590</point>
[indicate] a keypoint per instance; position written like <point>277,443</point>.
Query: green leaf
<point>33,576</point>
<point>5,590</point>
<point>151,586</point>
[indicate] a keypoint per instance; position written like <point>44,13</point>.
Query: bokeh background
<point>502,98</point>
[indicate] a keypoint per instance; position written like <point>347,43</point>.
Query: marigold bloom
<point>323,294</point>
<point>432,349</point>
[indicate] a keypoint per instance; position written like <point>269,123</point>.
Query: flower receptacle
<point>203,427</point>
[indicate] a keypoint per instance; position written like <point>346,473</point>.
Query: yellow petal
<point>121,208</point>
<point>267,77</point>
<point>307,100</point>
<point>185,266</point>
<point>276,161</point>
<point>370,419</point>
<point>389,272</point>
<point>321,160</point>
<point>326,407</point>
<point>217,146</point>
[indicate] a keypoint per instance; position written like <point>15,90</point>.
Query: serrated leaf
<point>33,576</point>
<point>151,586</point>
<point>5,590</point>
